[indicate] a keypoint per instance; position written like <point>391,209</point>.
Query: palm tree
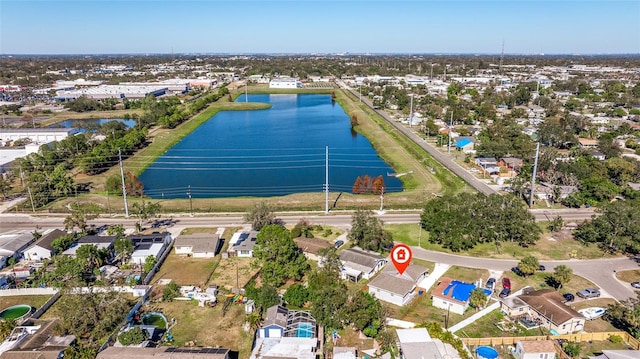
<point>561,275</point>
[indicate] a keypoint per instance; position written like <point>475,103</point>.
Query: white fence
<point>27,291</point>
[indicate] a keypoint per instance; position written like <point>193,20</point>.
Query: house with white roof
<point>145,245</point>
<point>12,246</point>
<point>242,243</point>
<point>395,288</point>
<point>358,264</point>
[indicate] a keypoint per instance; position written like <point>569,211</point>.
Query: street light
<point>190,200</point>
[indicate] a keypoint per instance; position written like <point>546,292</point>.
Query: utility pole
<point>381,199</point>
<point>450,129</point>
<point>124,187</point>
<point>326,179</point>
<point>533,175</point>
<point>33,207</point>
<point>411,112</point>
<point>190,200</point>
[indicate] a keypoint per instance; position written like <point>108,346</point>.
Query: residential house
<point>42,248</point>
<point>275,322</point>
<point>465,144</point>
<point>618,354</point>
<point>546,308</point>
<point>145,245</point>
<point>453,295</point>
<point>197,245</point>
<point>488,164</point>
<point>345,353</point>
<point>416,343</point>
<point>358,263</point>
<point>13,245</point>
<point>40,345</point>
<point>597,155</point>
<point>286,334</point>
<point>587,142</point>
<point>100,242</point>
<point>535,349</point>
<point>242,243</point>
<point>163,352</point>
<point>311,246</point>
<point>511,163</point>
<point>395,288</point>
<point>548,191</point>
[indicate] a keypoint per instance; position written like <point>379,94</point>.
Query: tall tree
<point>367,232</point>
<point>279,256</point>
<point>562,275</point>
<point>260,215</point>
<point>478,298</point>
<point>528,265</point>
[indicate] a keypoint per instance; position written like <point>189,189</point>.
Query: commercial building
<point>36,135</point>
<point>285,83</point>
<point>113,91</point>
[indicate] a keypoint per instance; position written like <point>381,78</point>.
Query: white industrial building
<point>113,91</point>
<point>285,83</point>
<point>36,135</point>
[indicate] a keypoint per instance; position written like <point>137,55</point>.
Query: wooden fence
<point>584,337</point>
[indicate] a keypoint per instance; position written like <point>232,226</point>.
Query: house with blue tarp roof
<point>465,144</point>
<point>453,295</point>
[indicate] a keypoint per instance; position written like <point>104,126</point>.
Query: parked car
<point>542,268</point>
<point>517,271</point>
<point>635,284</point>
<point>338,243</point>
<point>506,283</point>
<point>505,292</point>
<point>588,293</point>
<point>568,297</point>
<point>491,283</point>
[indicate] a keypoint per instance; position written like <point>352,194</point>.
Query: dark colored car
<point>568,297</point>
<point>505,292</point>
<point>491,283</point>
<point>506,283</point>
<point>338,243</point>
<point>517,271</point>
<point>542,268</point>
<point>635,284</point>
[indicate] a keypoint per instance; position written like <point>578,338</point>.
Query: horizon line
<point>322,54</point>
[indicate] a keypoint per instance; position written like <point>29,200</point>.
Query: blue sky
<point>237,26</point>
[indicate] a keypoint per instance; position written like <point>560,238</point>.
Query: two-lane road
<point>599,271</point>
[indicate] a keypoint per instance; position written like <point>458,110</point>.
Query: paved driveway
<point>600,271</point>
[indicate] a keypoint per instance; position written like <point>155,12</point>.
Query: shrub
<point>615,339</point>
<point>133,336</point>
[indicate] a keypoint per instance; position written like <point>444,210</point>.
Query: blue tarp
<point>463,142</point>
<point>461,290</point>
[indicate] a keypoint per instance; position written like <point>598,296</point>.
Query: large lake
<point>270,152</point>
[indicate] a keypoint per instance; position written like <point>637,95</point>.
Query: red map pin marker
<point>401,257</point>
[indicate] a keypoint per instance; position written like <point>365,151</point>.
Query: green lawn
<point>544,249</point>
<point>35,301</point>
<point>487,327</point>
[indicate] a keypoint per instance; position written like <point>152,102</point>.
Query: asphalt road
<point>445,160</point>
<point>599,271</point>
<point>10,221</point>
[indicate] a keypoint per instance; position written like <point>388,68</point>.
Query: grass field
<point>233,272</point>
<point>35,301</point>
<point>629,276</point>
<point>186,270</point>
<point>401,154</point>
<point>544,249</point>
<point>69,115</point>
<point>208,326</point>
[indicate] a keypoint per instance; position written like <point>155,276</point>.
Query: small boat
<point>592,312</point>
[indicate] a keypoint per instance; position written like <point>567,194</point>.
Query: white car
<point>474,170</point>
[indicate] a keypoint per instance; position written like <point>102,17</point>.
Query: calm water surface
<point>91,123</point>
<point>270,152</point>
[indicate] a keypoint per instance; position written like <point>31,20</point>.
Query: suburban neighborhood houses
<point>519,201</point>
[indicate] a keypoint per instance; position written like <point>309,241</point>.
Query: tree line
<point>462,221</point>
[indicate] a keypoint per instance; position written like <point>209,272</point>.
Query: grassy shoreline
<point>400,153</point>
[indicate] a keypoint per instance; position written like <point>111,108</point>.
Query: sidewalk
<point>433,277</point>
